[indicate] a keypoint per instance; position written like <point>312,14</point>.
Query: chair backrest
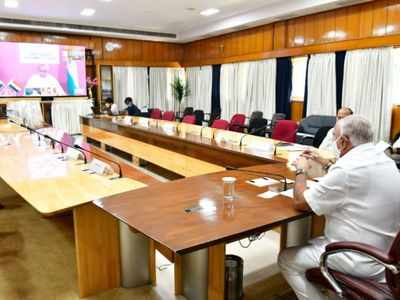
<point>66,139</point>
<point>285,130</point>
<point>155,114</point>
<point>237,123</point>
<point>320,135</point>
<point>220,124</point>
<point>393,280</point>
<point>187,111</point>
<point>258,127</point>
<point>189,119</point>
<point>168,116</point>
<point>256,115</point>
<point>276,117</point>
<point>215,115</point>
<point>199,114</point>
<point>311,124</point>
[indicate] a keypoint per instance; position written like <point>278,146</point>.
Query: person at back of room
<point>131,108</point>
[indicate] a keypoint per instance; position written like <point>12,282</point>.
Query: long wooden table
<point>53,186</point>
<point>159,211</point>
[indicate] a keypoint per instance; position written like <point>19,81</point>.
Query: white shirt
<point>360,198</point>
<point>48,85</point>
<point>114,109</point>
<point>328,144</point>
<point>396,144</point>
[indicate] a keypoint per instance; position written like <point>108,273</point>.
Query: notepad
<point>268,195</point>
<point>288,193</point>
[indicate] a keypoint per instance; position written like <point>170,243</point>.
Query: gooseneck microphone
<point>53,140</point>
<point>101,156</point>
<point>257,130</point>
<point>285,184</point>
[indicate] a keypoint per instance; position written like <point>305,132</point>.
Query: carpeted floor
<point>37,261</point>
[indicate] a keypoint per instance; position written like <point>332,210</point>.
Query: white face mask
<point>336,148</point>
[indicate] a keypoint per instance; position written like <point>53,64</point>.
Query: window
<point>298,78</point>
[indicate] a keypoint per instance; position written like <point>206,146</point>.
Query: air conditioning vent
<point>74,28</point>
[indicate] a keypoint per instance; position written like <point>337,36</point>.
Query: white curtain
<point>200,85</point>
<point>65,114</point>
<point>131,82</point>
<point>321,85</point>
<point>367,87</point>
<point>28,111</point>
<point>161,95</point>
<point>249,86</point>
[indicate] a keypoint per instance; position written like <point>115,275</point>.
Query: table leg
<point>178,274</point>
<point>216,272</point>
<point>152,262</point>
<point>97,250</point>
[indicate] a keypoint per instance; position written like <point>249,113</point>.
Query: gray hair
<point>357,128</point>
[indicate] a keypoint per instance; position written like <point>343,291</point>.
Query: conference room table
<point>187,217</point>
<point>54,186</point>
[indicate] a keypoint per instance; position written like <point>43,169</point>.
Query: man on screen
<point>46,82</point>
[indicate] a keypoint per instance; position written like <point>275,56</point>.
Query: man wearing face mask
<point>359,197</point>
<point>328,144</point>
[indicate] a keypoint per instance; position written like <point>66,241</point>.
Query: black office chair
<point>258,127</point>
<point>187,111</point>
<point>199,114</point>
<point>320,135</point>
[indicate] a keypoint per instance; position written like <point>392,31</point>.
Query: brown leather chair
<point>351,287</point>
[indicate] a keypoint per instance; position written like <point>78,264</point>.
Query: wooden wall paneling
<point>329,22</point>
<point>136,48</point>
<point>19,36</point>
<point>340,24</point>
<point>268,37</point>
<point>297,110</point>
<point>74,40</point>
<point>241,42</point>
<point>229,45</point>
<point>379,18</point>
<point>353,15</point>
<point>256,40</point>
<point>211,48</point>
<point>366,20</point>
<point>395,121</point>
<point>309,30</point>
<point>121,50</point>
<point>291,33</point>
<point>393,18</point>
<point>280,35</point>
<point>148,51</point>
<point>300,32</point>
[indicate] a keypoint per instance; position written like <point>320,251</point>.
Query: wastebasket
<point>233,277</point>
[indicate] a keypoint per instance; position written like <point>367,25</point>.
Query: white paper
<point>261,182</point>
<point>268,195</point>
<point>288,193</point>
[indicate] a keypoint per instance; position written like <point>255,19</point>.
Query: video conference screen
<point>41,70</point>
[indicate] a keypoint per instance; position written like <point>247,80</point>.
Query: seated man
<point>359,196</point>
<point>132,109</point>
<point>328,144</point>
<point>111,108</point>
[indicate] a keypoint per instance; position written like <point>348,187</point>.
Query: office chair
<point>155,114</point>
<point>285,130</point>
<point>215,115</point>
<point>220,124</point>
<point>320,135</point>
<point>275,118</point>
<point>355,288</point>
<point>199,114</point>
<point>258,127</point>
<point>189,119</point>
<point>237,122</point>
<point>168,116</point>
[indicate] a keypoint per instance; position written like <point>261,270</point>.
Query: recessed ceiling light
<point>209,12</point>
<point>11,3</point>
<point>88,12</point>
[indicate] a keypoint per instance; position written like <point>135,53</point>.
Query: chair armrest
<point>362,248</point>
<point>359,248</point>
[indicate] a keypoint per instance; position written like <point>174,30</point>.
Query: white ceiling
<point>168,16</point>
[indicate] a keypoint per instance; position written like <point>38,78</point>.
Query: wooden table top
<point>49,184</point>
<point>159,211</point>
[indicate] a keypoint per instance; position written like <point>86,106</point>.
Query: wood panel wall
<point>126,52</point>
<point>372,24</point>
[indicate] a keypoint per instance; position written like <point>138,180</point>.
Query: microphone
<point>110,160</point>
<point>285,184</point>
<point>252,133</point>
<point>53,140</point>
